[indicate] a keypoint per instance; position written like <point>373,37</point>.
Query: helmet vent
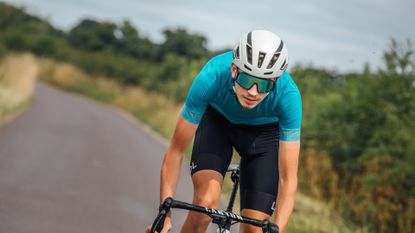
<point>236,52</point>
<point>249,54</point>
<point>284,65</point>
<point>273,60</point>
<point>280,47</point>
<point>249,39</point>
<point>247,68</point>
<point>261,59</point>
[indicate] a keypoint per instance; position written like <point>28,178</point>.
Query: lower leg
<point>195,223</point>
<point>207,187</point>
<point>255,214</point>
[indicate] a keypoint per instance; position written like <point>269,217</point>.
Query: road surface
<point>70,165</point>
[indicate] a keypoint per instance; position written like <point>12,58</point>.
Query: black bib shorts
<point>256,144</point>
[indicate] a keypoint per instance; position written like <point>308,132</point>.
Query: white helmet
<point>262,54</point>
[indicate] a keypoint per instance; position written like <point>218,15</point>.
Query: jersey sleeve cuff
<point>290,134</point>
<point>191,117</point>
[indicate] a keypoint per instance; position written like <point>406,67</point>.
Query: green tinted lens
<point>246,81</point>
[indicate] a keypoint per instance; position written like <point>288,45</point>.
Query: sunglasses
<point>247,81</point>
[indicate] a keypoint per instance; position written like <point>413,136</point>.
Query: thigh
<point>259,173</point>
<point>212,148</point>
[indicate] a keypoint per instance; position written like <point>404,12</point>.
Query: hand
<point>273,228</point>
<point>166,228</point>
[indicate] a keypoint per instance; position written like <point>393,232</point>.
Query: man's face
<point>248,98</point>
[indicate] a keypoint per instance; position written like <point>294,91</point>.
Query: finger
<point>166,230</point>
<point>148,229</point>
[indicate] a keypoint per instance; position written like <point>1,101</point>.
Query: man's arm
<point>170,170</point>
<point>287,185</point>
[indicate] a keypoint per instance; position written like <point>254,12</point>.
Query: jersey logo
<point>273,206</point>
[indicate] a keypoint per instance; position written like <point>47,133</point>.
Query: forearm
<point>170,173</point>
<point>170,170</point>
<point>287,182</point>
<point>285,203</point>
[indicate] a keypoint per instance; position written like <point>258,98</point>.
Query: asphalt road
<point>70,165</point>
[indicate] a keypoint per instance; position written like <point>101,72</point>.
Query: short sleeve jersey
<point>214,86</point>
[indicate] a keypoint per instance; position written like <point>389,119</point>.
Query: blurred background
<point>353,62</point>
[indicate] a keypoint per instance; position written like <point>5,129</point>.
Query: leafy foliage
<point>90,35</point>
<point>360,134</point>
<point>180,42</point>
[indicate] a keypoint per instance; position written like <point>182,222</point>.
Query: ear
<point>234,71</point>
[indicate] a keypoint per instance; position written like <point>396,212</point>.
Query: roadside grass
<point>152,108</point>
<point>160,113</point>
<point>314,216</point>
<point>18,74</point>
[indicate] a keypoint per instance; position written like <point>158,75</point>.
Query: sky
<point>337,35</point>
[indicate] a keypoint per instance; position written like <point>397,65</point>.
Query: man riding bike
<point>242,99</point>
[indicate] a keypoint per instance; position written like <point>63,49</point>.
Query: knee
<point>199,220</point>
<point>205,201</point>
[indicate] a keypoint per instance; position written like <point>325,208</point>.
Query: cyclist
<point>243,99</point>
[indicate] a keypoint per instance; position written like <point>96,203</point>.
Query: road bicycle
<point>224,219</point>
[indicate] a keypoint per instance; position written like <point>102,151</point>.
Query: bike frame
<point>234,169</point>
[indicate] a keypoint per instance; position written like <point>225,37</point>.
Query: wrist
<point>280,224</point>
<point>164,197</point>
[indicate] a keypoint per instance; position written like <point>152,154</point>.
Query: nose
<point>253,91</point>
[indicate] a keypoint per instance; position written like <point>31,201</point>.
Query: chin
<point>247,106</point>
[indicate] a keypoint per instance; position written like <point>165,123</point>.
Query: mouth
<point>250,101</point>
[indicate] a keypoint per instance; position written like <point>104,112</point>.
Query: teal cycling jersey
<point>214,86</point>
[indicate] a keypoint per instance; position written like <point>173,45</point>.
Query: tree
<point>400,58</point>
<point>131,43</point>
<point>183,43</point>
<point>93,36</point>
<point>367,128</point>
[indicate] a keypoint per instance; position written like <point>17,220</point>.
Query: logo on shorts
<point>192,166</point>
<point>273,206</point>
